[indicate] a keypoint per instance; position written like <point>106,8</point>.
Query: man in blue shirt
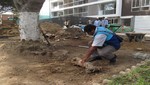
<point>97,22</point>
<point>104,43</point>
<point>105,22</point>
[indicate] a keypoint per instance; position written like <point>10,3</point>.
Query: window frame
<point>134,2</point>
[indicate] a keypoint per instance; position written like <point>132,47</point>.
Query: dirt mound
<point>48,27</point>
<point>9,31</point>
<point>25,47</point>
<point>34,48</point>
<point>55,31</point>
<point>70,33</point>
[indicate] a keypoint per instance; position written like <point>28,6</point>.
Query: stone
<point>138,64</point>
<point>147,60</point>
<point>139,49</point>
<point>122,72</point>
<point>128,70</point>
<point>106,81</point>
<point>114,76</point>
<point>133,67</point>
<point>142,62</point>
<point>138,55</point>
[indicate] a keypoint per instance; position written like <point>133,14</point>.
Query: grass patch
<point>139,76</point>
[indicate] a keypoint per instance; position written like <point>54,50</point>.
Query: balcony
<point>81,14</point>
<point>106,12</point>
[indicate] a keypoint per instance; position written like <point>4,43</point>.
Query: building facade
<point>136,13</point>
<point>132,13</point>
<point>86,8</point>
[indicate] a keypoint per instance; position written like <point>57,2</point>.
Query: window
<point>135,3</point>
<point>60,4</point>
<point>140,5</point>
<point>81,11</point>
<point>79,2</point>
<point>55,14</point>
<point>60,13</point>
<point>145,2</point>
<point>109,8</point>
<point>68,12</point>
<point>127,22</point>
<point>55,5</point>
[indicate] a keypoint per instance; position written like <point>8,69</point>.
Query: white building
<point>86,8</point>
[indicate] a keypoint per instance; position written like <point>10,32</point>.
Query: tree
<point>28,16</point>
<point>6,5</point>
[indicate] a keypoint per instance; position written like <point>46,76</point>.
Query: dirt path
<point>56,68</point>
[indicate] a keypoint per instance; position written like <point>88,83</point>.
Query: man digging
<point>104,43</point>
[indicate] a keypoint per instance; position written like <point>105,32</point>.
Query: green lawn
<point>139,76</point>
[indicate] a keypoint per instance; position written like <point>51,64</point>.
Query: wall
<point>142,24</point>
<point>126,9</point>
<point>93,10</point>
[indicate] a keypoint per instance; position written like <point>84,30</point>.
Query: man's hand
<point>83,61</point>
<point>88,54</point>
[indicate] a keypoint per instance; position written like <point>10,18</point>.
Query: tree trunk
<point>29,26</point>
<point>28,23</point>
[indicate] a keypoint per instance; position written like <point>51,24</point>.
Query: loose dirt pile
<point>9,31</point>
<point>49,27</point>
<point>54,31</point>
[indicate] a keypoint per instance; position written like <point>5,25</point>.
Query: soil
<point>35,63</point>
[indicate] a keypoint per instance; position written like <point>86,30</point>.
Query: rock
<point>133,67</point>
<point>114,76</point>
<point>138,64</point>
<point>122,72</point>
<point>141,55</point>
<point>142,62</point>
<point>106,81</point>
<point>147,60</point>
<point>148,56</point>
<point>57,40</point>
<point>139,49</point>
<point>137,55</point>
<point>96,84</point>
<point>128,70</point>
<point>144,56</point>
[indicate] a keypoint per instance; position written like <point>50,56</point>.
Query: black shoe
<point>95,58</point>
<point>113,60</point>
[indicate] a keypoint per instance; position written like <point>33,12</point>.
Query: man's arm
<point>88,54</point>
<point>97,42</point>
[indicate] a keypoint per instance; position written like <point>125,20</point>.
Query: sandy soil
<point>35,63</point>
<point>23,63</point>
